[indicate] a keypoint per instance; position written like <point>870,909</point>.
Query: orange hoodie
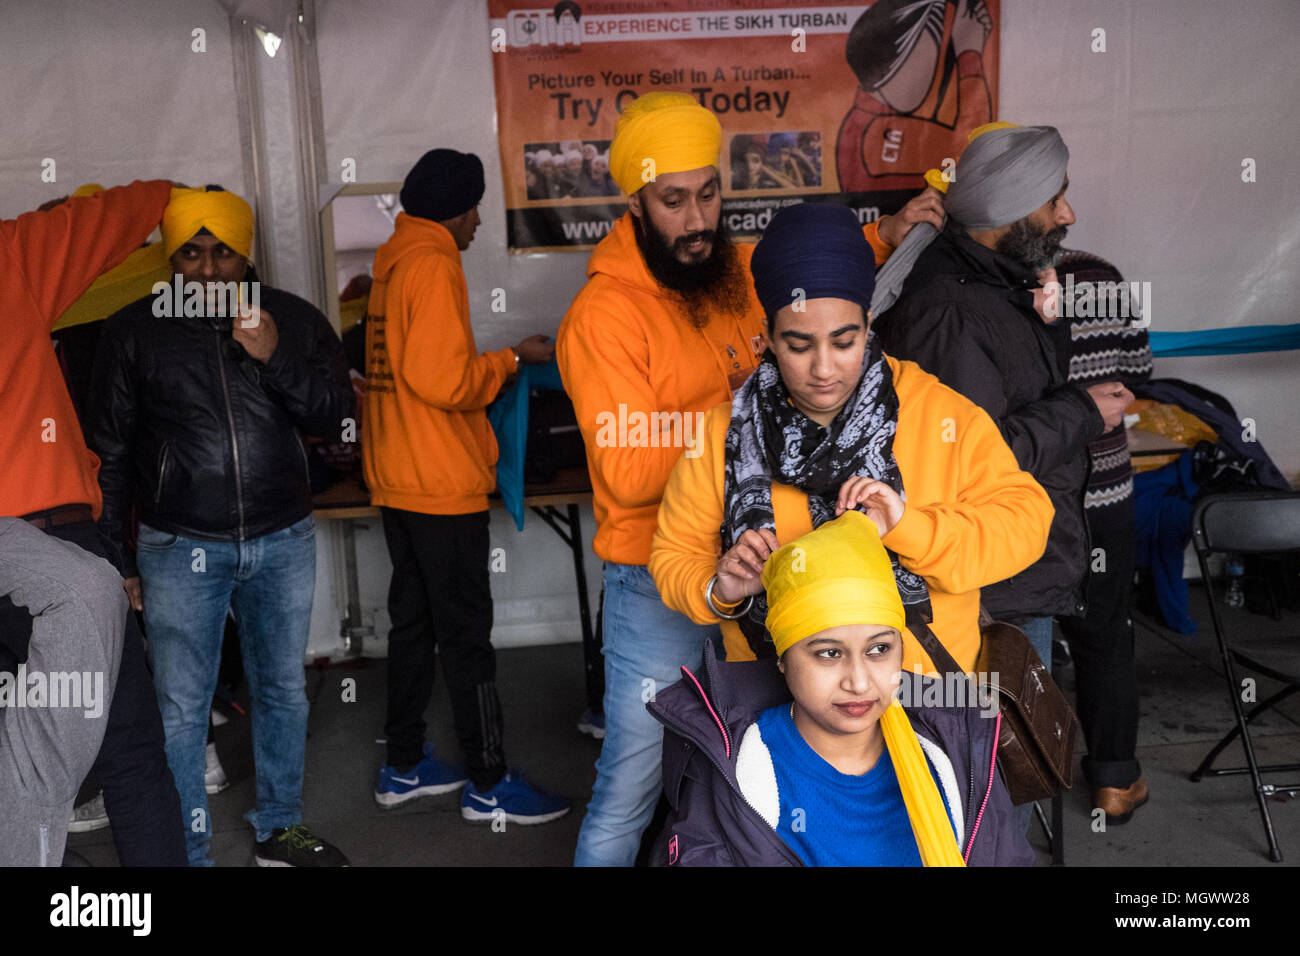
<point>641,377</point>
<point>973,517</point>
<point>47,260</point>
<point>426,442</point>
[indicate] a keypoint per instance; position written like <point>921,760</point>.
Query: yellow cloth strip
<point>925,807</point>
<point>132,279</point>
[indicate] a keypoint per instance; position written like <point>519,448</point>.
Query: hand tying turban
<point>221,213</point>
<point>672,129</point>
<point>839,574</point>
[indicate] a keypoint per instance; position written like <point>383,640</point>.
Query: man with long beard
<point>963,307</point>
<point>667,326</point>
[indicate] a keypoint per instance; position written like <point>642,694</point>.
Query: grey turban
<point>1002,177</point>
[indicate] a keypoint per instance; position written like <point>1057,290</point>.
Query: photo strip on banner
<point>818,101</point>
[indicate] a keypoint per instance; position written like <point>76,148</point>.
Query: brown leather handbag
<point>1036,742</point>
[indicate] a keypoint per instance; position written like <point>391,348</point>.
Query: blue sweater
<point>836,819</point>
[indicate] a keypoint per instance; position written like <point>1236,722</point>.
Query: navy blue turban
<point>817,248</point>
<point>442,185</point>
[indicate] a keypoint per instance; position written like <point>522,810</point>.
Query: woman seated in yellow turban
<point>828,767</point>
<point>827,423</point>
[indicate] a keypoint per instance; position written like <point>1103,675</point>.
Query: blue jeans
<point>646,645</point>
<point>1039,632</point>
<point>189,585</point>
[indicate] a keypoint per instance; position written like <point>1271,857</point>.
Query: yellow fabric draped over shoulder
<point>925,808</point>
<point>131,279</point>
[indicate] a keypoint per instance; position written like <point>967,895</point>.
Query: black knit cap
<point>442,185</point>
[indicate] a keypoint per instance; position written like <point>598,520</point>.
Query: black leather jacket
<point>206,440</point>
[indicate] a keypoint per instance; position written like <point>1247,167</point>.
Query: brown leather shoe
<point>1120,802</point>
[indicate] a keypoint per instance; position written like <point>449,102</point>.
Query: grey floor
<point>1184,710</point>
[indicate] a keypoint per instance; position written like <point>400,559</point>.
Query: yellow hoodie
<point>630,357</point>
<point>973,516</point>
<point>426,442</point>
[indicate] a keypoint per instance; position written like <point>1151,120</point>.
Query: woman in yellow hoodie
<point>828,423</point>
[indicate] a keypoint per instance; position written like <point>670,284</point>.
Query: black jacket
<point>713,822</point>
<point>966,315</point>
<point>203,437</point>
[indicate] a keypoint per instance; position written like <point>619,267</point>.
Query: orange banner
<point>819,101</point>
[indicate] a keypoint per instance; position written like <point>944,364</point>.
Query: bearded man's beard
<point>1031,246</point>
<point>717,283</point>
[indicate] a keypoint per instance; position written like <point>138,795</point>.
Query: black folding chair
<point>1250,523</point>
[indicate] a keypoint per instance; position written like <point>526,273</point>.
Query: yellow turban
<point>222,213</point>
<point>934,177</point>
<point>89,189</point>
<point>839,574</point>
<point>672,129</point>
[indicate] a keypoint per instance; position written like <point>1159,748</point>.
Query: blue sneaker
<point>512,799</point>
<point>428,777</point>
<point>592,722</point>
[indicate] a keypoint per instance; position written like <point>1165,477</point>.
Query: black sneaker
<point>297,846</point>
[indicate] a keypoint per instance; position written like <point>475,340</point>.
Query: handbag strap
<point>930,643</point>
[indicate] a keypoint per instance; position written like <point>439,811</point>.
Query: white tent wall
<point>1158,127</point>
<point>114,92</point>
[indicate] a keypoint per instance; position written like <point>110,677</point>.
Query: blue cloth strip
<point>1232,341</point>
<point>508,416</point>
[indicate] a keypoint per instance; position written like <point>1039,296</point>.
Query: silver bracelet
<point>737,614</point>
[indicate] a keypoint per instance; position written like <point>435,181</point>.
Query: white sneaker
<point>214,777</point>
<point>91,815</point>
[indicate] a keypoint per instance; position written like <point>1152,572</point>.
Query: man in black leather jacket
<point>201,411</point>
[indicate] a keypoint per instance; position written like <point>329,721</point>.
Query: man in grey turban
<point>960,303</point>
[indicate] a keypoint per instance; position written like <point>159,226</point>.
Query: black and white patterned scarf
<point>770,440</point>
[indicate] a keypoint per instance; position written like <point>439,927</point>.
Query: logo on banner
<point>545,28</point>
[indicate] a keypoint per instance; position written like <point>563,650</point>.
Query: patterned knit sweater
<point>1102,347</point>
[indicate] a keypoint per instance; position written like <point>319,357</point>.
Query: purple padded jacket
<point>723,815</point>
